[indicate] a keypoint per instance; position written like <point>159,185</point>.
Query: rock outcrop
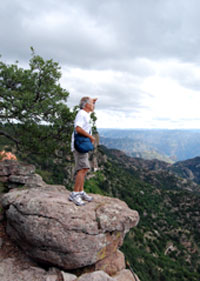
<point>51,229</point>
<point>54,232</point>
<point>15,174</point>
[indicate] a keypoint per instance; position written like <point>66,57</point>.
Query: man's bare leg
<point>80,178</point>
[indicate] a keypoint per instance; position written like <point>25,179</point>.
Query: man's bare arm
<point>80,131</point>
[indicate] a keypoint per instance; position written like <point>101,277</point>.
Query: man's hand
<point>94,100</point>
<point>92,139</point>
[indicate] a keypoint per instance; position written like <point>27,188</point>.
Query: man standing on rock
<point>83,127</point>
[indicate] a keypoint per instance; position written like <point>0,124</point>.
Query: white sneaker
<point>76,198</point>
<point>86,197</point>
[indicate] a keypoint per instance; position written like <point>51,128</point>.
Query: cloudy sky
<point>140,58</point>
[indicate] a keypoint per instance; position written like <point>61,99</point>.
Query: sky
<point>140,58</point>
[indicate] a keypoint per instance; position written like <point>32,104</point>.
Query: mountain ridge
<point>155,171</point>
<point>167,145</point>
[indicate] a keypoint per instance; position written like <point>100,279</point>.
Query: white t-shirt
<point>82,120</point>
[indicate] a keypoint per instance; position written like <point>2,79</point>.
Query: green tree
<point>33,112</point>
<point>94,119</point>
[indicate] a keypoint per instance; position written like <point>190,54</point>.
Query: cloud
<point>116,90</point>
<point>65,32</point>
<point>98,33</point>
<point>186,74</point>
<point>140,58</point>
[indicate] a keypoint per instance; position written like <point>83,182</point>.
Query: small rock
<point>112,264</point>
<point>68,277</point>
<point>10,270</point>
<point>126,275</point>
<point>96,276</point>
<point>35,181</point>
<point>52,278</point>
<point>21,179</point>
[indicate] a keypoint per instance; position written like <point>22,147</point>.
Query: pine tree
<point>34,116</point>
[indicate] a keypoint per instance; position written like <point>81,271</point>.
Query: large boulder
<point>52,230</point>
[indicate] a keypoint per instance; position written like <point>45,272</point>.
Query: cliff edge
<point>53,232</point>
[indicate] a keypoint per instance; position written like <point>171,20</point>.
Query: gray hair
<point>83,102</point>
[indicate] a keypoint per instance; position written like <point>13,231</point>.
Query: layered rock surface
<point>15,174</point>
